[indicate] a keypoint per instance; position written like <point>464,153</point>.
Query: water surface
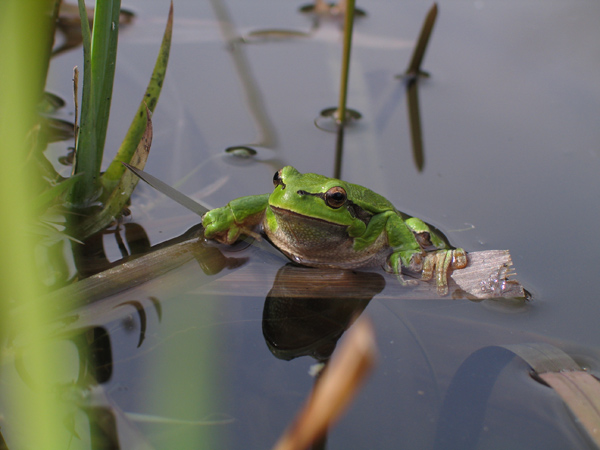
<point>509,119</point>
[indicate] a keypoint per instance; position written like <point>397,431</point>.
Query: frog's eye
<point>277,180</point>
<point>335,197</point>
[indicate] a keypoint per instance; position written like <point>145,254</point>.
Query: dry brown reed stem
<point>336,387</point>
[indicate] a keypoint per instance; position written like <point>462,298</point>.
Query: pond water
<point>512,154</point>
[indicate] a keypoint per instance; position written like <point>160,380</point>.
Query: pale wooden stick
<point>337,386</point>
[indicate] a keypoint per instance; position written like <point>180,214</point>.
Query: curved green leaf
<point>50,195</point>
<point>113,206</point>
<point>113,174</point>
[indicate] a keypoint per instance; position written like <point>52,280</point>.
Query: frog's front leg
<point>439,261</point>
<point>239,216</point>
<point>406,250</point>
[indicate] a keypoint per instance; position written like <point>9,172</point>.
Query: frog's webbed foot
<point>440,262</point>
<point>233,234</point>
<point>220,225</point>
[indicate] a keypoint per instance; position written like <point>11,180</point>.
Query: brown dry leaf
<point>581,392</point>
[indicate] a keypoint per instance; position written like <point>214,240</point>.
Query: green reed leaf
<point>115,171</point>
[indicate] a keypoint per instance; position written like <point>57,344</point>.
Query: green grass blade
<point>113,206</point>
<point>100,54</point>
<point>104,57</point>
<point>85,162</point>
<point>50,195</point>
<point>115,171</point>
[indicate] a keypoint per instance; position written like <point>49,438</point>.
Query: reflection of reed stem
<point>254,98</point>
<point>412,98</point>
<point>348,23</point>
<point>414,68</point>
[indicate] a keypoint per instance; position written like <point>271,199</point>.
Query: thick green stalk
<point>104,58</point>
<point>86,138</point>
<point>100,53</point>
<point>30,413</point>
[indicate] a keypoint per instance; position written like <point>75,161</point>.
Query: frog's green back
<point>360,195</point>
<point>367,199</point>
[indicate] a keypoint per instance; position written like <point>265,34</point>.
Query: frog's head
<point>315,196</point>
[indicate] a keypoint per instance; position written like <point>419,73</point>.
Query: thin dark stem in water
<point>348,24</point>
<point>75,100</point>
<point>339,151</point>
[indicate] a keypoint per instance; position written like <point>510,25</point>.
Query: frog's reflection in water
<point>308,310</point>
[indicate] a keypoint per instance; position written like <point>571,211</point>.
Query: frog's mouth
<point>286,214</point>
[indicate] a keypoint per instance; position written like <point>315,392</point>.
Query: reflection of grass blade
<point>142,316</point>
<point>267,136</point>
<point>414,116</point>
<point>120,195</point>
<point>339,153</point>
<point>114,172</point>
<point>414,68</point>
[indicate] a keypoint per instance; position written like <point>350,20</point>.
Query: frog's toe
<point>439,263</point>
<point>404,282</point>
<point>444,260</point>
<point>395,263</point>
<point>431,265</point>
<point>428,266</point>
<point>459,259</point>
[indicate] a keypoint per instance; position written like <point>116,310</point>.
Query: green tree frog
<point>324,222</point>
